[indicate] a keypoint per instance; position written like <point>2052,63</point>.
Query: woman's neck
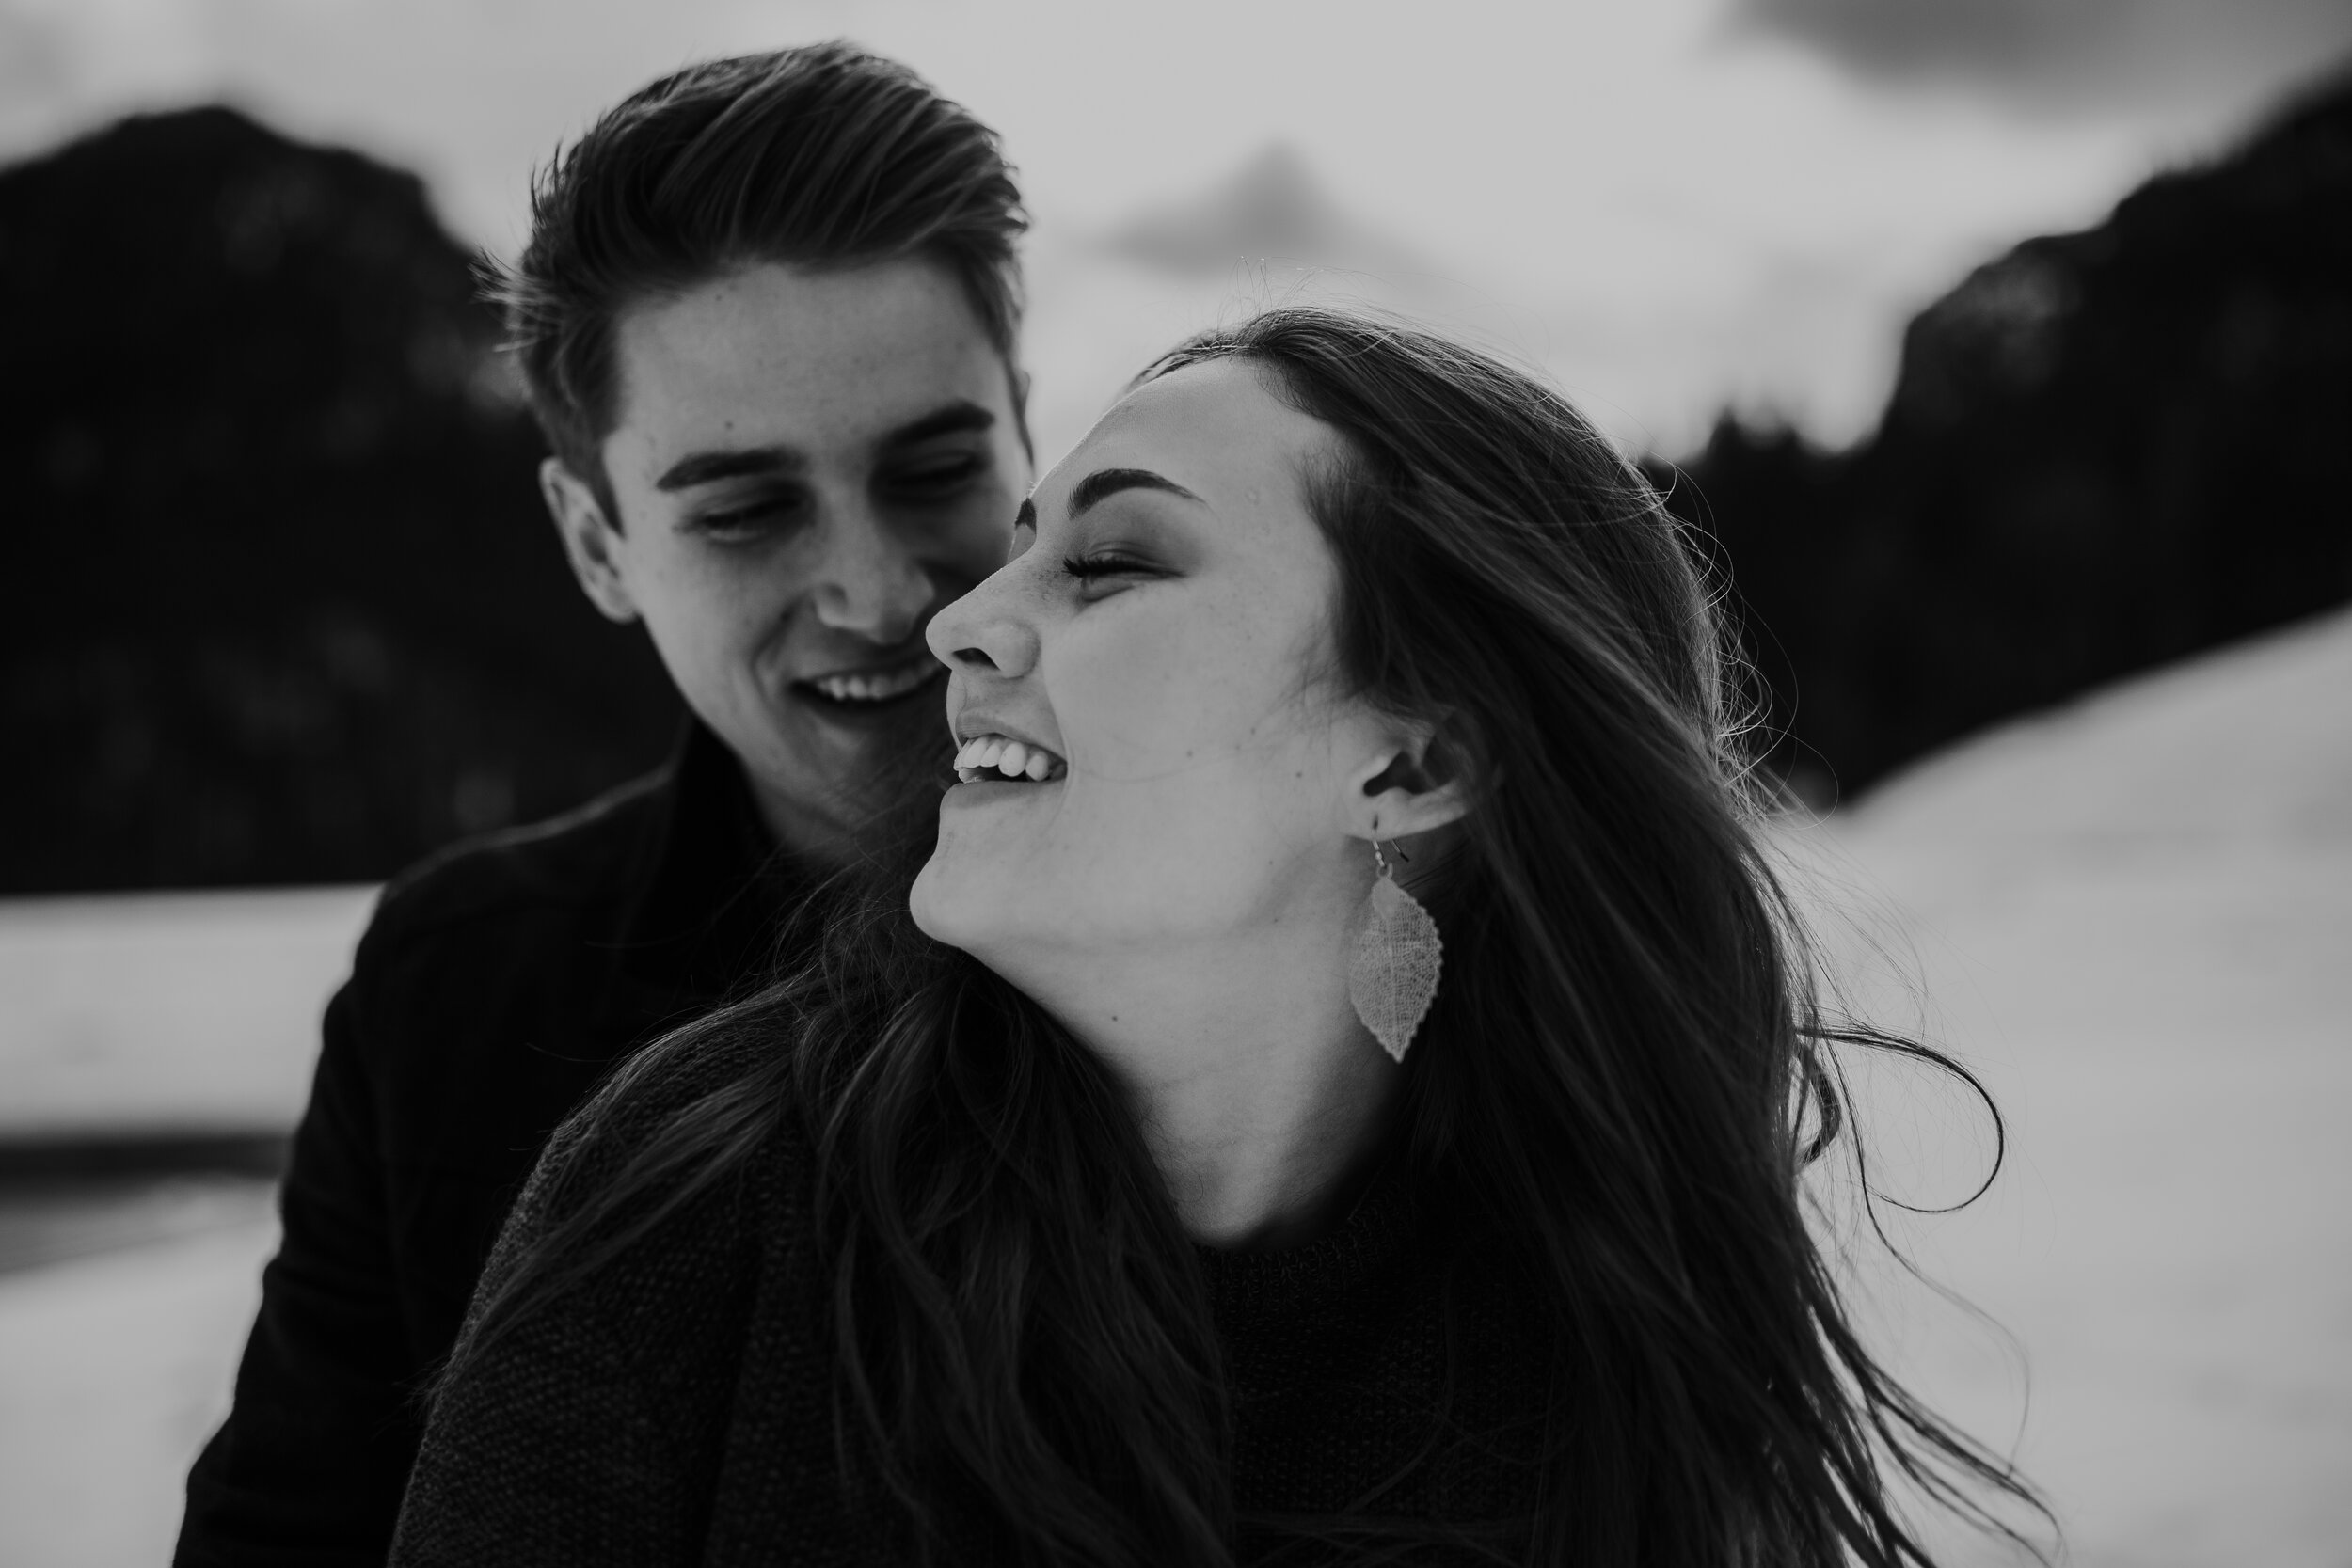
<point>1261,1093</point>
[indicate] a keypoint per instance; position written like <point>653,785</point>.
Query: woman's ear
<point>1416,782</point>
<point>591,543</point>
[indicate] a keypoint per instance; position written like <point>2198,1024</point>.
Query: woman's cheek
<point>1132,704</point>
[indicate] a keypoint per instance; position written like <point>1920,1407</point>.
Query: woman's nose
<point>984,632</point>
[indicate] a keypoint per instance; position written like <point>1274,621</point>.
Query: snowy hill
<point>167,1013</point>
<point>2133,916</point>
<point>2249,746</point>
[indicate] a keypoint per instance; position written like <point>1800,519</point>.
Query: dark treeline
<point>281,606</point>
<point>2104,451</point>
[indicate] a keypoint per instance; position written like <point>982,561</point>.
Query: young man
<point>767,315</point>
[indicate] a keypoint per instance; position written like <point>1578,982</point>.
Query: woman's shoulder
<point>709,1093</point>
<point>585,1414</point>
<point>684,1168</point>
<point>717,1054</point>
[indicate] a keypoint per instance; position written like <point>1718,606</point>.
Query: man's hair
<point>823,156</point>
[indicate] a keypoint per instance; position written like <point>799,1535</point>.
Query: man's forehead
<point>781,356</point>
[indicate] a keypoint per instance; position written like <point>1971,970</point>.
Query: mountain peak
<point>1271,208</point>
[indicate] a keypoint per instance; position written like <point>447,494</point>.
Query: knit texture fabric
<point>676,1408</point>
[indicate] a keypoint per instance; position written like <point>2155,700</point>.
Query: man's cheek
<point>984,539</point>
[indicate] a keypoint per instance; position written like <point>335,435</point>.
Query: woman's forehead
<point>1219,429</point>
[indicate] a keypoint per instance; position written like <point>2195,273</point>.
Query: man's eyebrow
<point>952,419</point>
<point>1109,482</point>
<point>709,468</point>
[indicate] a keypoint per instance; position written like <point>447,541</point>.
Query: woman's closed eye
<point>1100,569</point>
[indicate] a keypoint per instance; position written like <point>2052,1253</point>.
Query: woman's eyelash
<point>1087,567</point>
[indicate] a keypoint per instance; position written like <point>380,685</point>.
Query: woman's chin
<point>973,916</point>
<point>946,911</point>
<point>923,903</point>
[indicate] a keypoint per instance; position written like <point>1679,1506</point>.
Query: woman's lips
<point>991,757</point>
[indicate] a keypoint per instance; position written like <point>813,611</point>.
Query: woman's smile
<point>994,758</point>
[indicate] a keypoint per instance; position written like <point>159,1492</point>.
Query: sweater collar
<point>1366,1248</point>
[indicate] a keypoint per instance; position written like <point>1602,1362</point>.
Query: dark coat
<point>494,988</point>
<point>675,1406</point>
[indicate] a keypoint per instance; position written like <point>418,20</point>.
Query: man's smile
<point>871,688</point>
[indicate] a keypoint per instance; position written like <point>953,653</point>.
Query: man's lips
<point>874,686</point>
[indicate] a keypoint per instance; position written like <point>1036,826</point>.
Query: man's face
<point>807,464</point>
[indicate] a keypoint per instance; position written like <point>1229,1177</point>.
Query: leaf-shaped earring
<point>1392,974</point>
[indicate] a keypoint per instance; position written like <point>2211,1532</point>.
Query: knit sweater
<point>676,1407</point>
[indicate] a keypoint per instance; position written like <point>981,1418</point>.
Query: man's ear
<point>591,542</point>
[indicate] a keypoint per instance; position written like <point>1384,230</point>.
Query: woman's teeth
<point>986,754</point>
<point>879,687</point>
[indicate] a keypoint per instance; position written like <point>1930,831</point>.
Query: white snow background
<point>2131,917</point>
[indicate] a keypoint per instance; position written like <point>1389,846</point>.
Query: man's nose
<point>869,582</point>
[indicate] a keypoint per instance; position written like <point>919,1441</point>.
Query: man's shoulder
<point>593,853</point>
<point>478,992</point>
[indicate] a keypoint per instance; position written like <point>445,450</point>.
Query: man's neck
<point>798,831</point>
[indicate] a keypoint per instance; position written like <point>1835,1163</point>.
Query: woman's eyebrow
<point>1109,482</point>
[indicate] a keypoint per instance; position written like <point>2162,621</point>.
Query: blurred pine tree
<point>2104,451</point>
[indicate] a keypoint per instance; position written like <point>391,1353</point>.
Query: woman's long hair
<point>1622,1081</point>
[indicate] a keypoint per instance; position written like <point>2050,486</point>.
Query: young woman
<point>1125,1194</point>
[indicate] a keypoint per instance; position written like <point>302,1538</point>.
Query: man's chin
<point>878,768</point>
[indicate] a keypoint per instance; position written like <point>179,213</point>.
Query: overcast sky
<point>1672,203</point>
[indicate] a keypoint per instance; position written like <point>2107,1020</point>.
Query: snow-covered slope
<point>112,1371</point>
<point>166,1012</point>
<point>2249,745</point>
<point>2134,916</point>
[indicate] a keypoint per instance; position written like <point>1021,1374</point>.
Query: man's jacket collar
<point>710,882</point>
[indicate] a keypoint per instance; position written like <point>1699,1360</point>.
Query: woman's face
<point>1162,632</point>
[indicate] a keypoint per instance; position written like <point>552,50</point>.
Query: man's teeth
<point>984,755</point>
<point>875,688</point>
